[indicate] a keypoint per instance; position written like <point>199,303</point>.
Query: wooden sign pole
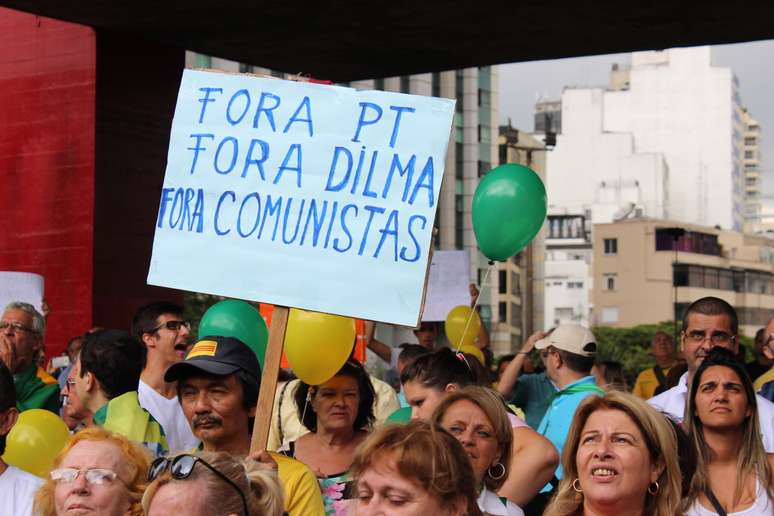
<point>271,366</point>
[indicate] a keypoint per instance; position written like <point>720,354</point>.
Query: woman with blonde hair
<point>98,473</point>
<point>417,469</point>
<point>476,416</point>
<point>620,459</point>
<point>733,473</point>
<point>208,483</point>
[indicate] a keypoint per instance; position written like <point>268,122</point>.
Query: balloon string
<point>303,413</point>
<point>475,305</point>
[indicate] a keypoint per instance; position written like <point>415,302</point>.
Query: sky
<point>521,84</point>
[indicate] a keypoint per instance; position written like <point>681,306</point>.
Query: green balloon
<point>509,208</point>
<point>400,416</point>
<point>234,318</point>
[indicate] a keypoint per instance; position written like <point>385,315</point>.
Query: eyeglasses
<point>16,327</point>
<point>95,477</point>
<point>172,326</point>
<point>718,337</point>
<point>181,468</point>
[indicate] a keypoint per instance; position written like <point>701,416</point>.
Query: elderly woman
<point>210,483</point>
<point>620,459</point>
<point>432,377</point>
<point>338,414</point>
<point>733,473</point>
<point>476,416</point>
<point>98,473</point>
<point>417,469</point>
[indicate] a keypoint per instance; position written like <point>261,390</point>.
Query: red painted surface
<point>47,113</point>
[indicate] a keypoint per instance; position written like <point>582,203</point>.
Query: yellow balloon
<point>35,440</point>
<point>317,345</point>
<point>470,349</point>
<point>455,326</point>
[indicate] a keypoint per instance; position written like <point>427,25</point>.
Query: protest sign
<point>304,195</point>
<point>21,286</point>
<point>448,284</point>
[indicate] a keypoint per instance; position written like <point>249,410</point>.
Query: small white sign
<point>21,286</point>
<point>448,285</point>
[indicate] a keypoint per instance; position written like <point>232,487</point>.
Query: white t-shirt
<point>672,403</point>
<point>170,416</point>
<point>761,507</point>
<point>17,491</point>
<point>490,503</point>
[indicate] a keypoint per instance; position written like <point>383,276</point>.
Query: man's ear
<point>7,421</point>
<point>451,387</point>
<point>148,340</point>
<point>767,352</point>
<point>90,381</point>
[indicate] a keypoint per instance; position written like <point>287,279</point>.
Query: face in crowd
<point>702,333</point>
<point>170,338</point>
<point>721,399</point>
<point>426,335</point>
<point>470,425</point>
<point>99,487</point>
<point>336,403</point>
<point>423,399</point>
<point>19,342</point>
<point>613,460</point>
<point>214,407</point>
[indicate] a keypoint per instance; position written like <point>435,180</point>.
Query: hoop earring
<point>653,490</point>
<point>576,486</point>
<point>496,477</point>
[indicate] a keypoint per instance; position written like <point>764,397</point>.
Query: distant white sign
<point>448,284</point>
<point>21,286</point>
<point>303,195</point>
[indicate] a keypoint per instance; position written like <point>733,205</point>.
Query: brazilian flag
<point>36,389</point>
<point>124,415</point>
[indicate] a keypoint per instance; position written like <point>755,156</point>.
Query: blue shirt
<point>533,394</point>
<point>558,418</point>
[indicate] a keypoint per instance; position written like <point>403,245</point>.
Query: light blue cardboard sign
<point>302,195</point>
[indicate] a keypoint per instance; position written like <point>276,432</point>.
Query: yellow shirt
<point>768,376</point>
<point>284,411</point>
<point>302,492</point>
<point>645,386</point>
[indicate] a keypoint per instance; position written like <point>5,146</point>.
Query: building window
<point>611,245</point>
<point>750,140</point>
<point>748,154</point>
<point>574,284</point>
<point>609,280</point>
<point>379,84</point>
<point>405,84</point>
<point>610,315</point>
<point>436,84</point>
<point>502,282</point>
<point>203,61</point>
<point>502,312</point>
<point>689,242</point>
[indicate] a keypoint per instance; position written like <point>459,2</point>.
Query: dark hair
<point>146,317</point>
<point>115,358</point>
<point>7,388</point>
<point>614,375</point>
<point>438,369</point>
<point>410,352</point>
<point>577,363</point>
<point>365,409</point>
<point>712,306</point>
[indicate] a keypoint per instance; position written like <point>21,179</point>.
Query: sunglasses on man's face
<point>171,326</point>
<point>182,466</point>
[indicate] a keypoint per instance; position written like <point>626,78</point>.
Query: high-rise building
<point>472,152</point>
<point>677,103</point>
<point>753,180</point>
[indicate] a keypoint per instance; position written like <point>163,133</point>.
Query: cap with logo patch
<point>574,338</point>
<point>216,355</point>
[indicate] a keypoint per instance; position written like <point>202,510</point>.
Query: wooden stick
<point>271,365</point>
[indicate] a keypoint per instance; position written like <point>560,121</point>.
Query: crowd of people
<point>161,424</point>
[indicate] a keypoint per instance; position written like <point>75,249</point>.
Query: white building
<point>677,103</point>
<point>753,179</point>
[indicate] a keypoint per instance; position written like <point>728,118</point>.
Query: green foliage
<point>629,346</point>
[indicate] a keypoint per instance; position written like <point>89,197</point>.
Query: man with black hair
<point>709,322</point>
<point>217,387</point>
<point>568,353</point>
<point>161,328</point>
<point>106,376</point>
<point>17,487</point>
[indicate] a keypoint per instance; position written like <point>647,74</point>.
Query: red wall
<point>84,129</point>
<point>47,113</point>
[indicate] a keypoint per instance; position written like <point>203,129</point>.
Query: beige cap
<point>574,338</point>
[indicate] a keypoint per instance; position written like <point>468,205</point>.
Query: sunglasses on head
<point>182,466</point>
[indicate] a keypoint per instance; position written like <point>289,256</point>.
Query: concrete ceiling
<point>346,40</point>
